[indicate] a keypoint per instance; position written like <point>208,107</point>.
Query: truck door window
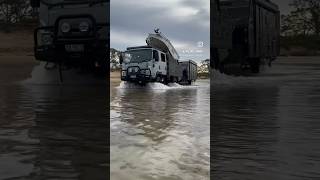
<point>163,57</point>
<point>155,55</point>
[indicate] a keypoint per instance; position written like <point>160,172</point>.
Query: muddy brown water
<point>51,131</point>
<point>264,127</point>
<point>267,127</point>
<point>160,132</point>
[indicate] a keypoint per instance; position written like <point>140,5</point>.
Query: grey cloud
<point>142,19</point>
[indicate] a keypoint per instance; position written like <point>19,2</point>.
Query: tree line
<point>304,19</point>
<point>300,29</point>
<point>15,11</point>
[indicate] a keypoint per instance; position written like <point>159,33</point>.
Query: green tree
<point>114,58</point>
<point>14,11</point>
<point>203,69</point>
<point>304,19</point>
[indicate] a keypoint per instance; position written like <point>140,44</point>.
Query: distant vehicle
<point>73,34</point>
<point>245,35</point>
<point>156,62</point>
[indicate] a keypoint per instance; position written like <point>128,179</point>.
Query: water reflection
<point>267,127</point>
<point>244,130</point>
<point>53,132</point>
<point>160,134</point>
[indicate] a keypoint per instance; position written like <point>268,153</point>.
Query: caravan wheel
<point>255,65</point>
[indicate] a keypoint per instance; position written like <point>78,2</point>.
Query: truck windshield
<point>137,56</point>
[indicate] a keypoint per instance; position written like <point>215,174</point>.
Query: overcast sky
<point>183,22</point>
<point>283,5</point>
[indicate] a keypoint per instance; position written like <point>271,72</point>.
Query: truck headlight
<point>124,73</point>
<point>46,39</point>
<point>84,26</point>
<point>65,27</point>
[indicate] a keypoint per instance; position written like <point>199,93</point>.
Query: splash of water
<point>220,78</point>
<point>153,86</point>
<point>264,78</point>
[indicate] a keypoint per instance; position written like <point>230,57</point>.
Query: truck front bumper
<point>92,48</point>
<point>141,76</point>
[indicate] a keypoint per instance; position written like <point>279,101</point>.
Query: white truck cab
<point>144,64</point>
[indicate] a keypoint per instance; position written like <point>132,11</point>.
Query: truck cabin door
<point>163,63</point>
<point>160,60</point>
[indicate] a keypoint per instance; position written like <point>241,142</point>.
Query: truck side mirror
<point>35,3</point>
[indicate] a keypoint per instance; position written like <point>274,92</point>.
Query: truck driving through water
<point>245,35</point>
<point>156,62</point>
<point>73,34</point>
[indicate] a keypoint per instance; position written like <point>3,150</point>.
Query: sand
<point>16,56</point>
<point>19,43</point>
<point>115,79</point>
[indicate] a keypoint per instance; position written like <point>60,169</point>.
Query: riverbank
<point>16,55</point>
<point>299,45</point>
<point>18,43</point>
<point>115,78</point>
<point>15,68</point>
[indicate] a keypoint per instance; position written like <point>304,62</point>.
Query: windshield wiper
<point>91,3</point>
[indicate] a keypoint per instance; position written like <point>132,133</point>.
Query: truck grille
<point>133,70</point>
<point>75,24</point>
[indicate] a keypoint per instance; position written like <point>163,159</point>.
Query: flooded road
<point>267,127</point>
<point>160,132</point>
<point>51,131</point>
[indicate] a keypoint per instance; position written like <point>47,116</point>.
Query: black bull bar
<point>55,52</point>
<point>136,76</point>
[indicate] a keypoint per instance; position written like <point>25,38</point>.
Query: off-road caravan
<point>156,62</point>
<point>73,34</point>
<point>245,34</point>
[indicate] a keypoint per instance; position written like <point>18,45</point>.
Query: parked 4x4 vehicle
<point>73,33</point>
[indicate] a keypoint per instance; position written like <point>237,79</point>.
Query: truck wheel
<point>165,80</point>
<point>221,68</point>
<point>255,65</point>
<point>162,79</point>
<point>158,79</point>
<point>215,63</point>
<point>171,79</point>
<point>270,62</point>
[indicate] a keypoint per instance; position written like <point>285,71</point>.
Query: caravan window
<point>155,55</point>
<point>163,57</point>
